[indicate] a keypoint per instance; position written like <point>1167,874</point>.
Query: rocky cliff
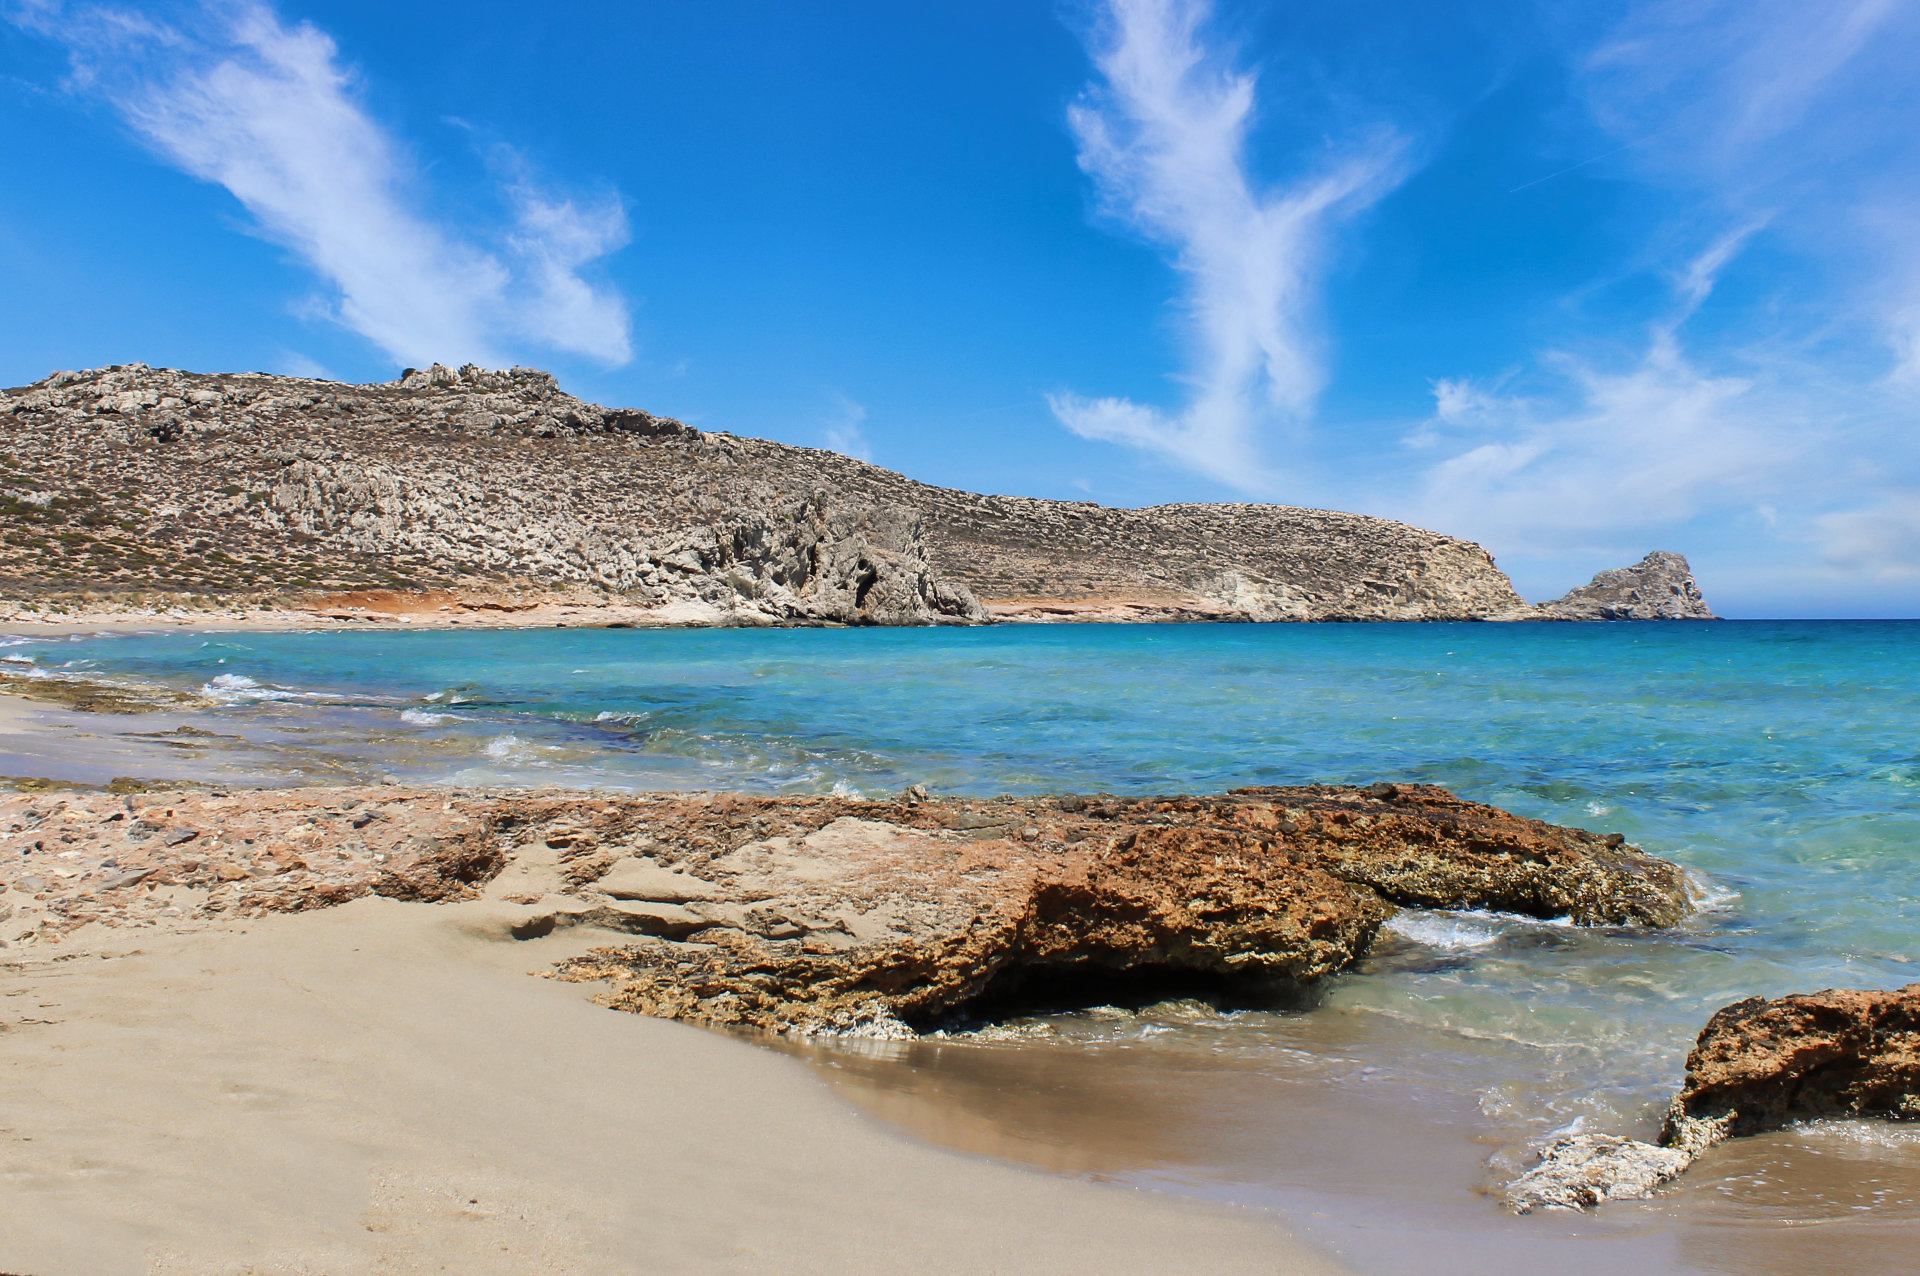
<point>133,482</point>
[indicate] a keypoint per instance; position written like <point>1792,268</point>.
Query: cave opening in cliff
<point>1023,990</point>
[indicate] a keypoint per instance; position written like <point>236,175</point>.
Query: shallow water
<point>1778,761</point>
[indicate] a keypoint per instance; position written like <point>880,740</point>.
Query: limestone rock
<point>808,914</point>
<point>1658,587</point>
<point>471,480</point>
<point>643,879</point>
<point>882,918</point>
<point>1591,1169</point>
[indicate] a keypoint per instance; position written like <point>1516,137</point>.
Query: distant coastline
<point>135,495</point>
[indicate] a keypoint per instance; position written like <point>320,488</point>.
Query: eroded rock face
<point>832,914</point>
<point>240,487</point>
<point>1658,587</point>
<point>1757,1065</point>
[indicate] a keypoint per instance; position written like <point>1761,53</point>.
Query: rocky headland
<point>812,914</point>
<point>494,497</point>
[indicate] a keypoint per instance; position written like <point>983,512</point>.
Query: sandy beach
<point>363,609</point>
<point>382,1087</point>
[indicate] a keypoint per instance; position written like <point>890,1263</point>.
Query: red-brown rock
<point>1838,1053</point>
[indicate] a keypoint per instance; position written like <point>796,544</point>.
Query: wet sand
<point>1388,1176</point>
<point>380,1087</point>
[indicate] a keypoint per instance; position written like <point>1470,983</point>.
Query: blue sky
<point>1575,280</point>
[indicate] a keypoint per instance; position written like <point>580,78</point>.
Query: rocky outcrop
<point>133,481</point>
<point>1051,561</point>
<point>1757,1065</point>
<point>1658,587</point>
<point>885,919</point>
<point>807,914</point>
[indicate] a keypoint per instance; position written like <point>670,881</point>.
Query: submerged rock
<point>1658,587</point>
<point>1757,1065</point>
<point>1589,1169</point>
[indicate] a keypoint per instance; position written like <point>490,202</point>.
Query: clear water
<point>1780,761</point>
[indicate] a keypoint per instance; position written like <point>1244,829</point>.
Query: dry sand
<point>382,1088</point>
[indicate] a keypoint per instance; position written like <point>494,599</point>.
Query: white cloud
<point>843,430</point>
<point>233,95</point>
<point>1802,115</point>
<point>1164,136</point>
<point>1787,139</point>
<point>1882,540</point>
<point>1643,447</point>
<point>1716,82</point>
<point>292,363</point>
<point>1611,450</point>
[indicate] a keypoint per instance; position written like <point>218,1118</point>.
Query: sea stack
<point>1658,587</point>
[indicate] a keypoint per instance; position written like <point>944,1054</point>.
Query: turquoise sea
<point>1778,761</point>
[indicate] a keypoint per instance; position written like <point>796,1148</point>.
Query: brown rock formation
<point>130,482</point>
<point>827,913</point>
<point>1757,1065</point>
<point>887,917</point>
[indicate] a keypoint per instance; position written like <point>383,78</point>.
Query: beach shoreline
<point>1359,1122</point>
<point>381,1087</point>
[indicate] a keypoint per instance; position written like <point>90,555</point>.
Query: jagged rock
<point>494,484</point>
<point>466,479</point>
<point>880,918</point>
<point>1658,587</point>
<point>1757,1065</point>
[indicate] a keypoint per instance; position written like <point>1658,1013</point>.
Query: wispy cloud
<point>232,94</point>
<point>1786,138</point>
<point>1802,114</point>
<point>1164,136</point>
<point>1605,449</point>
<point>1881,540</point>
<point>844,432</point>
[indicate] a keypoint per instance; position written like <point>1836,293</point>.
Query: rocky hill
<point>1658,587</point>
<point>132,486</point>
